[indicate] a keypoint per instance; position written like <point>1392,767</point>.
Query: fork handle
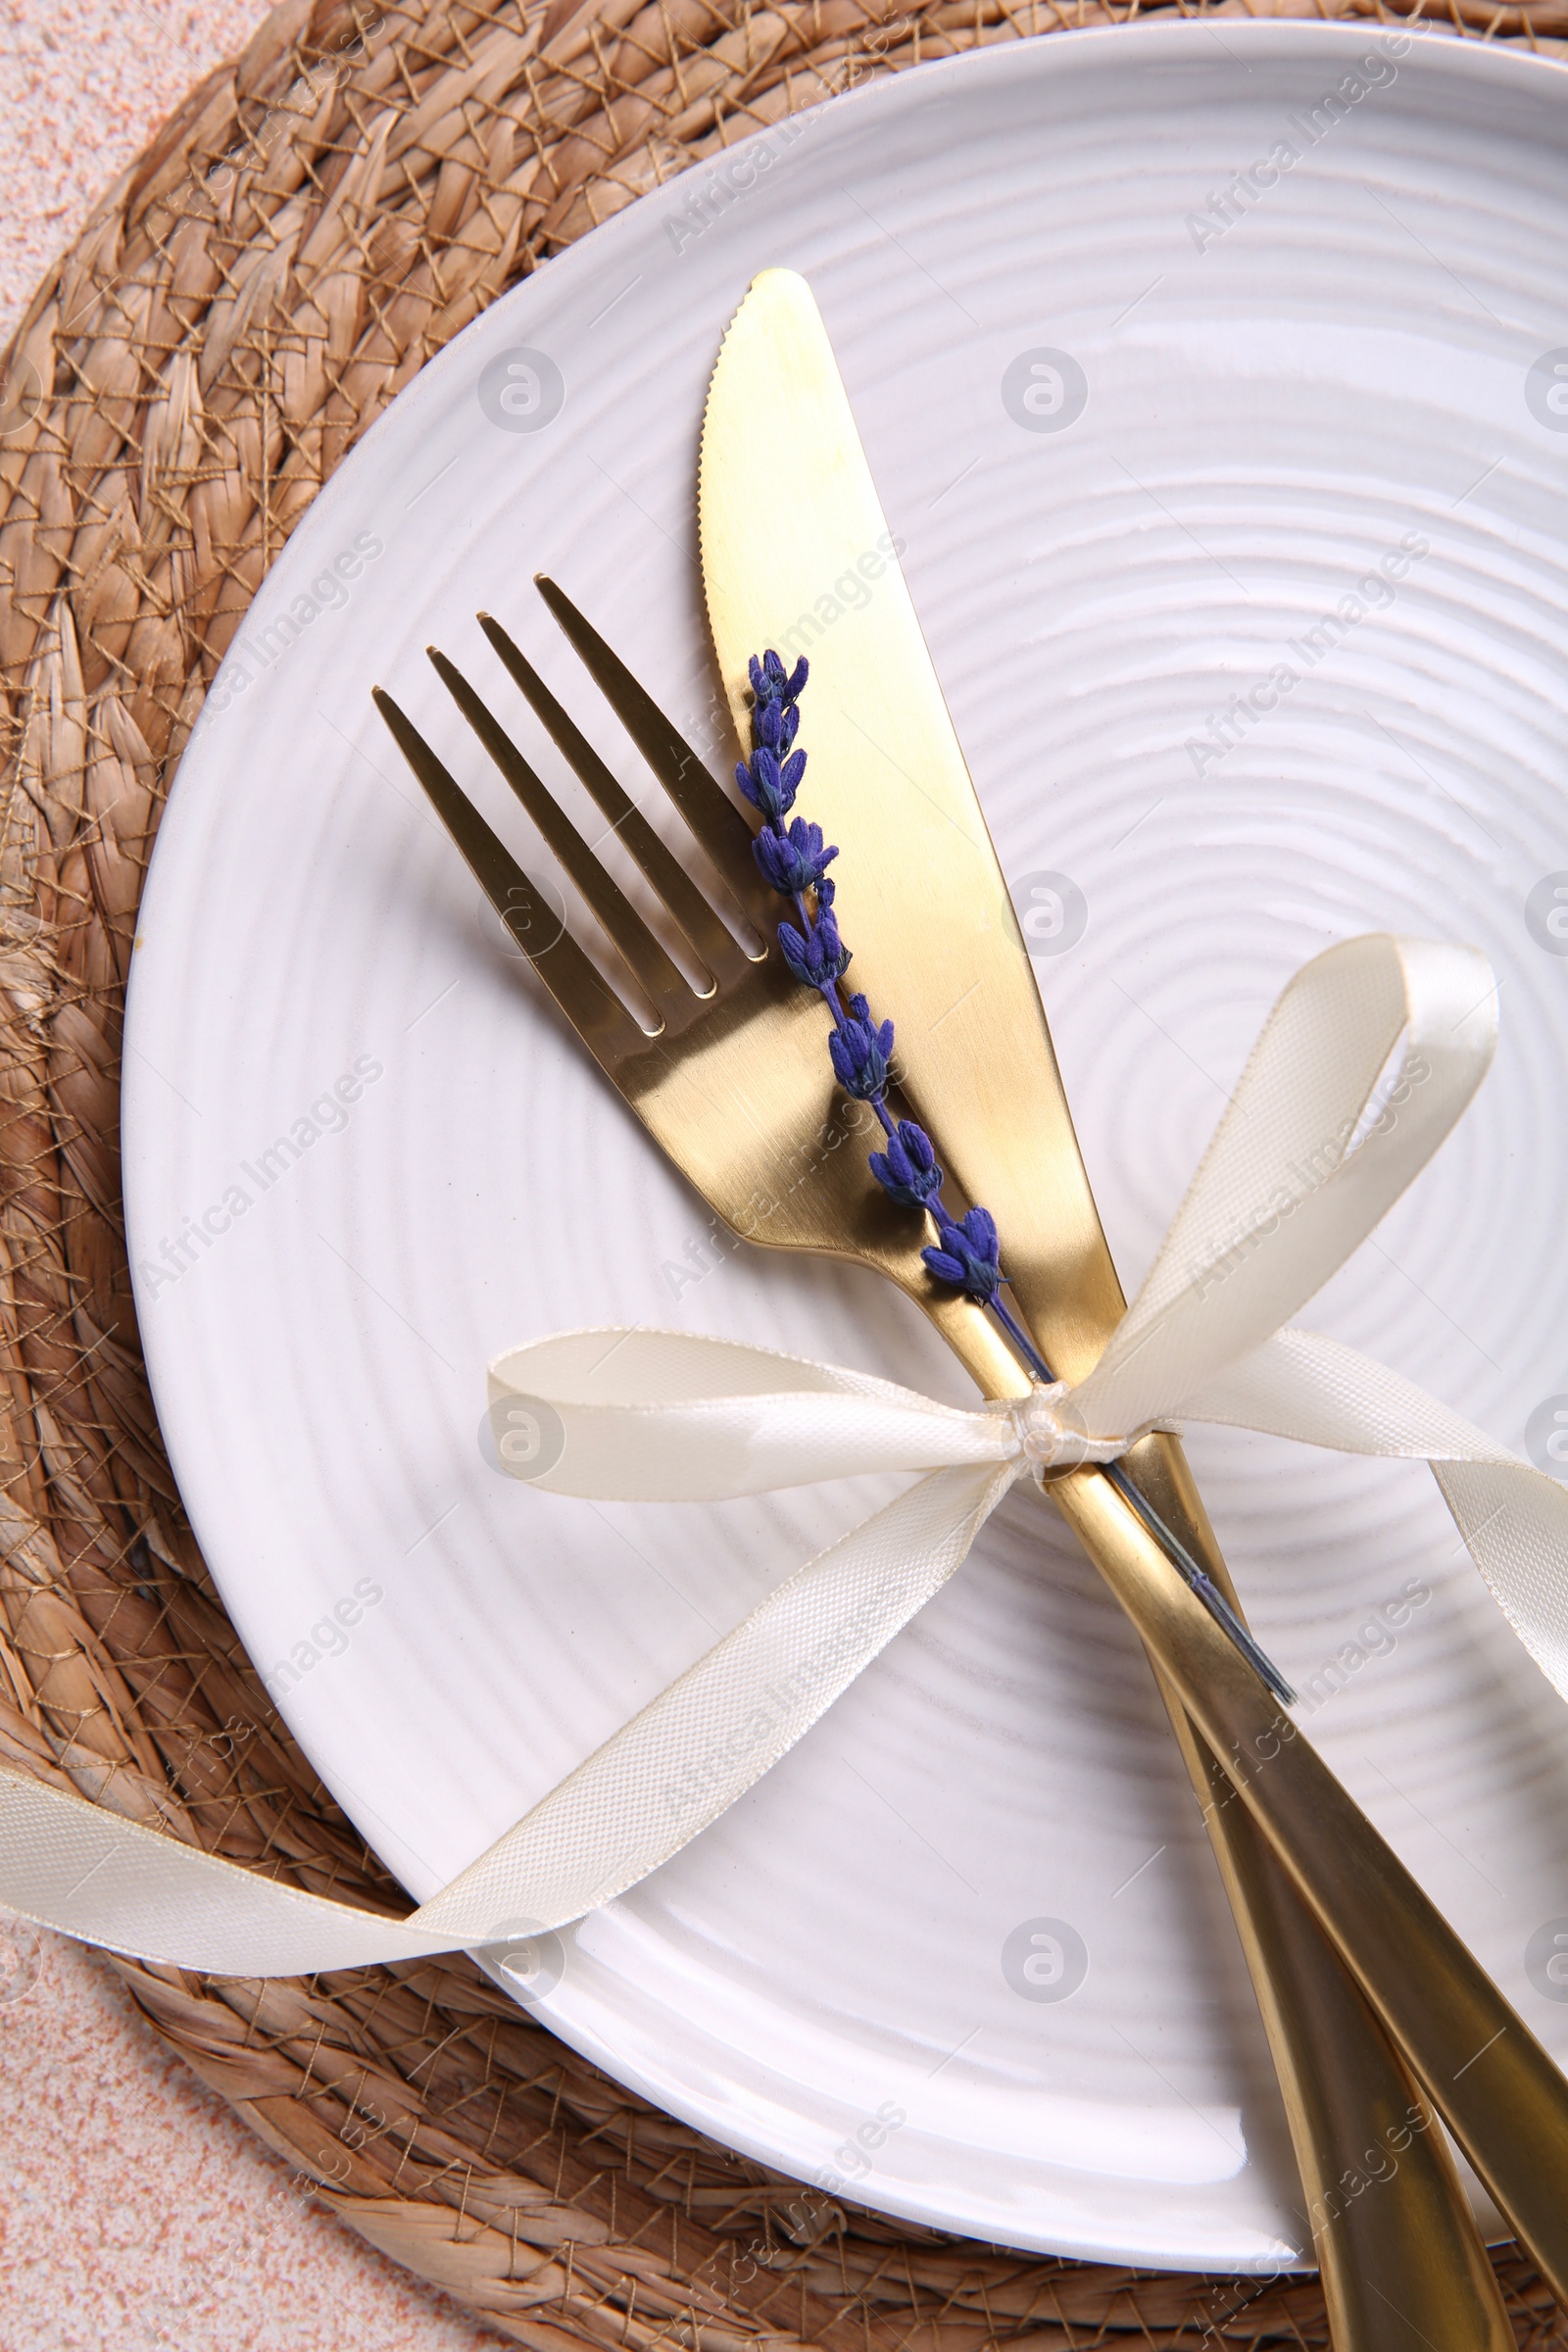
<point>1475,2058</point>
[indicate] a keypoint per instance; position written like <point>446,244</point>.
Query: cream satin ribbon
<point>1367,1060</point>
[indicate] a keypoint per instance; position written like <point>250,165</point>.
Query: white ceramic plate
<point>1349,382</point>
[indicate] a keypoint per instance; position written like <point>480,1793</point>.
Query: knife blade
<point>815,569</point>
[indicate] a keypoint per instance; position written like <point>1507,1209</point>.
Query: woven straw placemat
<point>316,221</point>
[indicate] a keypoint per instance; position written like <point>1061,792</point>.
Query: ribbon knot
<point>1364,1066</point>
<point>1051,1431</point>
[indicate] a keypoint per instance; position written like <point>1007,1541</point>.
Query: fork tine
<point>680,894</point>
<point>624,926</point>
<point>597,1014</point>
<point>705,804</point>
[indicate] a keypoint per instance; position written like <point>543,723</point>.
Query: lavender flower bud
<point>908,1169</point>
<point>819,956</point>
<point>769,786</point>
<point>763,784</point>
<point>769,683</point>
<point>860,1049</point>
<point>967,1257</point>
<point>792,862</point>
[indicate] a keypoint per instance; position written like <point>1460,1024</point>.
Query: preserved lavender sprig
<point>793,858</point>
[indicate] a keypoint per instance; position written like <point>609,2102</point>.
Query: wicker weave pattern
<point>314,222</point>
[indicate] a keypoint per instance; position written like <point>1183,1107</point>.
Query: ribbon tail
<point>675,1767</point>
<point>74,1867</point>
<point>705,1740</point>
<point>1513,1519</point>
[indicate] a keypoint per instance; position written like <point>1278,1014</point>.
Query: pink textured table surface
<point>136,2212</point>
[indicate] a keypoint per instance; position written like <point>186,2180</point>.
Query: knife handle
<point>1357,2118</point>
<point>1475,2058</point>
<point>1392,2228</point>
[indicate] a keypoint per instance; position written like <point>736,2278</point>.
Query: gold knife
<point>888,779</point>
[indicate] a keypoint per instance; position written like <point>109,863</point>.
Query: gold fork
<point>732,1079</point>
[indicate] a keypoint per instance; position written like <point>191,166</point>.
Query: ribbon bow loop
<point>1370,1056</point>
